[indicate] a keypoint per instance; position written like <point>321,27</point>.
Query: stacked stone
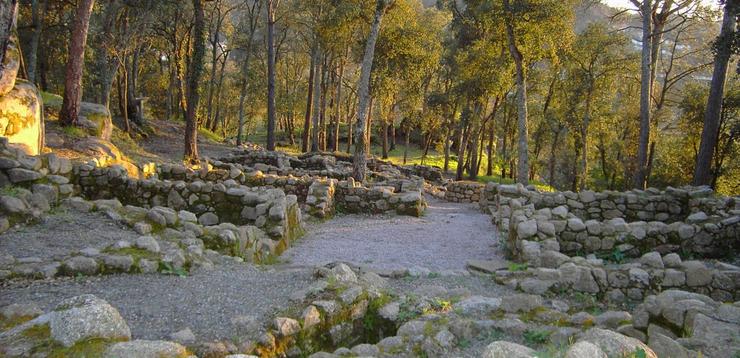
<point>553,271</point>
<point>320,198</point>
<point>709,236</point>
<point>33,184</point>
<point>432,174</point>
<point>278,214</point>
<point>670,205</point>
<point>353,198</point>
<point>464,192</point>
<point>678,324</point>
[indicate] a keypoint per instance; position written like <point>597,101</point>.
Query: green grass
<point>213,137</point>
<point>51,100</point>
<point>74,132</point>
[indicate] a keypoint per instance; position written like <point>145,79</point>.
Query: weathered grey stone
<point>390,311</point>
<point>697,273</point>
<point>80,265</point>
<point>147,243</point>
<point>343,274</point>
<point>526,229</point>
<point>84,317</point>
<point>520,303</point>
<point>286,327</point>
<point>310,317</point>
<point>208,219</point>
<point>615,344</point>
<point>143,348</point>
<point>666,347</point>
<point>652,259</point>
<point>585,349</point>
<point>183,336</point>
<point>503,349</point>
<point>576,224</point>
<point>477,305</point>
<point>613,319</point>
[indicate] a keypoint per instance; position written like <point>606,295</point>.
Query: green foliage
<point>616,256</point>
<point>167,269</point>
<point>536,336</point>
<point>513,267</point>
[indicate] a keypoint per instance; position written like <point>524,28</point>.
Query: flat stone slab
<point>487,266</point>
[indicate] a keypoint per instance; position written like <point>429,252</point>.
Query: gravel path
<point>155,305</point>
<point>444,238</point>
<point>58,235</point>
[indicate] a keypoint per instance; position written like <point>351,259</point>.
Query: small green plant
<point>616,256</point>
<point>75,132</point>
<point>433,275</point>
<point>167,269</point>
<point>536,336</point>
<point>10,190</point>
<point>513,267</point>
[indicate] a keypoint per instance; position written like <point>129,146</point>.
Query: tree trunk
<point>271,4</point>
<point>316,104</point>
<point>214,60</point>
<point>489,152</point>
<point>369,129</point>
<point>553,148</point>
<point>196,70</point>
<point>337,108</point>
<point>37,14</point>
<point>448,133</point>
<point>254,15</point>
<point>710,132</point>
<point>219,87</point>
<point>324,95</point>
<point>359,165</point>
<point>521,99</point>
<point>465,117</point>
<point>385,138</point>
<point>645,93</point>
<point>8,15</point>
<point>407,135</point>
<point>309,99</point>
<point>75,61</point>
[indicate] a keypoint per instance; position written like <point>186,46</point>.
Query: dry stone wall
<point>464,192</point>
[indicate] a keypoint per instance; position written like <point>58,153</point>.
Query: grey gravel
<point>59,234</point>
<point>156,305</point>
<point>444,238</point>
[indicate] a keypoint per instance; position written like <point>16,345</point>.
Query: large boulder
<point>21,119</point>
<point>84,317</point>
<point>615,344</point>
<point>503,349</point>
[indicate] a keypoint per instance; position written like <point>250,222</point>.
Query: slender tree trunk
<point>219,86</point>
<point>465,117</point>
<point>316,105</point>
<point>489,151</point>
<point>407,135</point>
<point>521,98</point>
<point>553,148</point>
<point>448,133</point>
<point>359,165</point>
<point>254,15</point>
<point>38,8</point>
<point>196,70</point>
<point>271,4</point>
<point>385,138</point>
<point>124,99</point>
<point>337,107</point>
<point>645,93</point>
<point>75,61</point>
<point>324,95</point>
<point>212,77</point>
<point>309,99</point>
<point>369,129</point>
<point>710,132</point>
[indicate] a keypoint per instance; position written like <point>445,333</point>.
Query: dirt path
<point>156,305</point>
<point>444,238</point>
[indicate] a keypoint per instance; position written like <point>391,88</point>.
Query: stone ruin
<point>646,247</point>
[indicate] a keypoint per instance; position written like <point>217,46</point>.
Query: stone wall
<point>464,192</point>
<point>518,213</point>
<point>669,205</point>
<point>270,209</point>
<point>353,198</point>
<point>325,195</point>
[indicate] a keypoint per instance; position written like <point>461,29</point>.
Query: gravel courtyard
<point>444,238</point>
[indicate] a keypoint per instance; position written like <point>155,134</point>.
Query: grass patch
<point>51,99</point>
<point>514,267</point>
<point>74,131</point>
<point>10,190</point>
<point>536,336</point>
<point>213,137</point>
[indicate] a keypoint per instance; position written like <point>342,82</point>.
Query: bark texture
<point>75,62</point>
